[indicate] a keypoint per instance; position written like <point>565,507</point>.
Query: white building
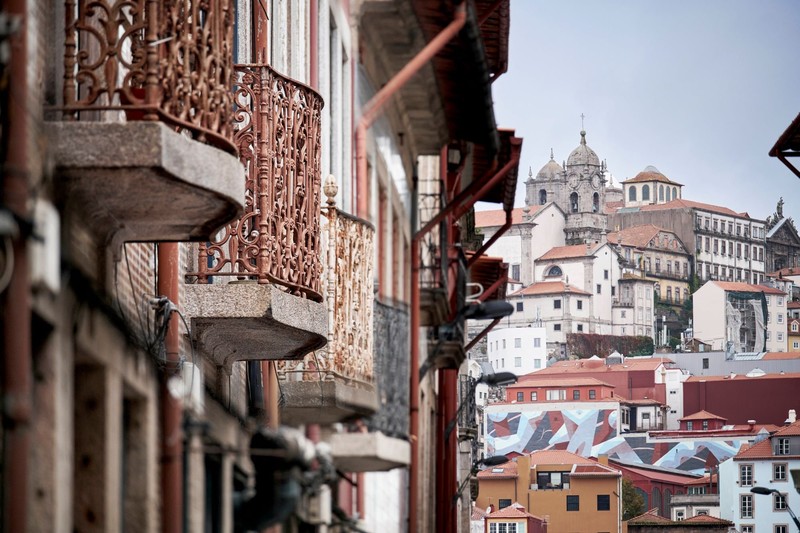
<point>767,464</point>
<point>741,317</point>
<point>517,350</point>
<point>535,229</point>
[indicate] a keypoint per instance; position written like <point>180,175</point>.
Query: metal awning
<point>788,145</point>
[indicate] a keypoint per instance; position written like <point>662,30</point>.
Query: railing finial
<point>330,188</point>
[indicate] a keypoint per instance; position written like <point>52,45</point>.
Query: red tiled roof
<point>707,519</point>
<point>595,470</point>
<point>529,380</point>
<point>558,457</point>
<point>611,207</point>
<point>648,517</point>
<point>497,217</point>
<point>646,175</point>
<point>639,236</point>
<point>793,305</point>
<point>509,471</point>
<point>703,415</point>
<point>569,252</point>
<point>549,287</point>
<point>593,365</point>
<point>788,271</point>
<point>478,513</point>
<point>512,511</point>
<point>772,356</point>
<point>703,480</point>
<point>785,375</point>
<point>688,204</point>
<point>746,287</point>
<point>763,449</point>
<point>657,475</point>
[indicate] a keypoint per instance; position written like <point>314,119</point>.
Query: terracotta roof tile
<point>772,356</point>
<point>703,480</point>
<point>497,217</point>
<point>793,305</point>
<point>569,252</point>
<point>648,518</point>
<point>549,287</point>
<point>639,236</point>
<point>746,287</point>
<point>478,513</point>
<point>558,457</point>
<point>654,474</point>
<point>688,204</point>
<point>707,519</point>
<point>763,449</point>
<point>788,271</point>
<point>530,380</point>
<point>703,415</point>
<point>651,176</point>
<point>611,207</point>
<point>509,471</point>
<point>595,470</point>
<point>512,511</point>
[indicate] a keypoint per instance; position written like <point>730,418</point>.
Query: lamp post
<point>492,460</point>
<point>765,490</point>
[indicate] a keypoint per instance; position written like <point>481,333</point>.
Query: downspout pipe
<point>17,356</point>
<point>373,108</point>
<point>171,408</point>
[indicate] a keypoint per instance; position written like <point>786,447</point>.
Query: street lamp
<point>492,460</point>
<point>765,490</point>
<point>499,379</point>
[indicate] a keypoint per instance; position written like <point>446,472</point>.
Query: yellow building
<point>793,334</point>
<point>570,492</point>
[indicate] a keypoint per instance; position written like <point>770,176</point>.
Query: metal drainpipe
<point>17,357</point>
<point>171,409</point>
<point>372,109</point>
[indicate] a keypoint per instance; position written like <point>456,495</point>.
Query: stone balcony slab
<point>142,181</point>
<point>244,321</point>
<point>369,452</point>
<point>327,402</point>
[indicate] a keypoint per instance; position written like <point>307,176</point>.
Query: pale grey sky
<point>699,89</point>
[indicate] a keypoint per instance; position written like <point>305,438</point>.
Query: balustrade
<point>153,60</point>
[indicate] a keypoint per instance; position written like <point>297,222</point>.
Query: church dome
<point>550,171</point>
<point>583,155</point>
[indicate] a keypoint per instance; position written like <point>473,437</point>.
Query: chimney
<point>751,424</point>
<point>792,416</point>
<point>603,459</point>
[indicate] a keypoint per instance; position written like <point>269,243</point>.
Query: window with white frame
<point>779,471</point>
<point>518,342</point>
<point>557,394</point>
<point>537,343</point>
<point>503,527</point>
<point>782,446</point>
<point>746,475</point>
<point>780,318</point>
<point>778,502</point>
<point>745,506</point>
<point>747,528</point>
<point>780,528</point>
<point>518,362</point>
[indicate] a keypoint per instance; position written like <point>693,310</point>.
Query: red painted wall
<point>765,400</point>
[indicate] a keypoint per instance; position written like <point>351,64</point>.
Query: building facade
<point>517,350</point>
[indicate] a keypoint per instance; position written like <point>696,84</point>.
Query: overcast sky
<point>699,89</point>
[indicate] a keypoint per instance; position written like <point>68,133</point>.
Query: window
<point>580,305</point>
<point>537,343</point>
<point>716,226</point>
<point>504,344</point>
<point>661,193</point>
<point>520,396</point>
<point>645,192</point>
<point>708,241</point>
<point>689,425</point>
<point>779,472</point>
<point>599,288</point>
<point>746,475</point>
<point>605,274</point>
<point>658,264</point>
<point>573,202</point>
<point>592,394</point>
<point>553,272</point>
<point>780,337</point>
<point>705,425</point>
<point>622,314</point>
<point>780,317</point>
<point>679,515</point>
<point>504,527</point>
<point>632,194</point>
<point>780,528</point>
<point>580,328</point>
<point>782,447</point>
<point>603,502</point>
<point>795,345</point>
<point>778,502</point>
<point>556,327</point>
<point>576,394</point>
<point>557,394</point>
<point>595,203</point>
<point>738,249</point>
<point>705,363</point>
<point>747,529</point>
<point>534,396</point>
<point>557,304</point>
<point>745,506</point>
<point>515,272</point>
<point>542,197</point>
<point>552,480</point>
<point>716,246</point>
<point>722,248</point>
<point>573,502</point>
<point>537,363</point>
<point>780,301</point>
<point>503,503</point>
<point>518,342</point>
<point>518,362</point>
<point>519,307</point>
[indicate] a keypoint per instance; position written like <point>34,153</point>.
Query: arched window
<point>645,192</point>
<point>595,203</point>
<point>674,193</point>
<point>542,197</point>
<point>661,193</point>
<point>573,202</point>
<point>553,272</point>
<point>668,193</point>
<point>632,194</point>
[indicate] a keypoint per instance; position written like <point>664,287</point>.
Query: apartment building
<point>740,317</point>
<point>517,350</point>
<point>575,493</point>
<point>768,464</point>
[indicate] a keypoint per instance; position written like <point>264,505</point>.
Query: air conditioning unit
<point>566,486</point>
<point>534,486</point>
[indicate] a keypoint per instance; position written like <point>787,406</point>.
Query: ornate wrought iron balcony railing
<point>169,61</point>
<point>348,248</point>
<point>277,240</point>
<point>391,371</point>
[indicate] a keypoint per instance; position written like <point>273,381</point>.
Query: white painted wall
<point>517,350</point>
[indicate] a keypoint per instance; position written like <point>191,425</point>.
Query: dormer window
<point>782,446</point>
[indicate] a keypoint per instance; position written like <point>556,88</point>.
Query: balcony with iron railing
<point>386,445</point>
<point>256,291</point>
<point>337,382</point>
<point>468,415</point>
<point>141,133</point>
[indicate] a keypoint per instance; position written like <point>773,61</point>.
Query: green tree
<point>632,501</point>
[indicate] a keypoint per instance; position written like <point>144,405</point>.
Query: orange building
<point>513,519</point>
<point>570,492</point>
